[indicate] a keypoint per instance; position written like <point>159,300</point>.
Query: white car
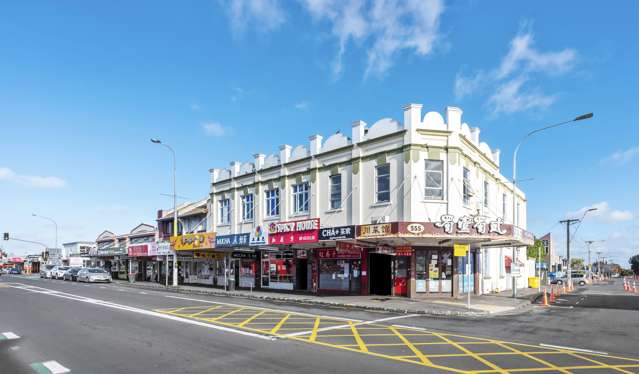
<point>59,271</point>
<point>45,272</point>
<point>94,275</point>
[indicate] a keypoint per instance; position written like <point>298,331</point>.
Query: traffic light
<point>6,236</point>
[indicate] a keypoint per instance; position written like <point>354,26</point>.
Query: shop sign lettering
<point>234,240</point>
<point>340,232</point>
<point>296,232</point>
<point>189,242</point>
<point>415,228</point>
<point>470,225</point>
<point>333,253</point>
<point>371,231</point>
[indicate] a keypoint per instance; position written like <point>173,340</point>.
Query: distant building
<point>78,253</point>
<point>552,259</point>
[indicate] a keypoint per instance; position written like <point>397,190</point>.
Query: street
<point>109,328</point>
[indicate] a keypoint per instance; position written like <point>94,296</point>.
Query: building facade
<point>79,253</point>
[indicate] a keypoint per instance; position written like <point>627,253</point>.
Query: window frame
<point>466,186</point>
<point>335,196</point>
<point>441,173</point>
<point>297,193</point>
<point>486,193</point>
<point>224,216</point>
<point>377,177</point>
<point>272,205</point>
<point>248,214</point>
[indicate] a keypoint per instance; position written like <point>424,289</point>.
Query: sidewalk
<point>485,305</point>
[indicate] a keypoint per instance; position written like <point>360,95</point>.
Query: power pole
<point>568,222</point>
<point>589,244</point>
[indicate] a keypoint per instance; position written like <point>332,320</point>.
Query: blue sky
<point>84,86</point>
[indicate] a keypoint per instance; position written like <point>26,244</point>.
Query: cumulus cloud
<point>510,80</point>
<point>35,181</point>
<point>213,129</point>
<point>263,15</point>
<point>302,105</point>
<point>603,213</point>
<point>623,156</point>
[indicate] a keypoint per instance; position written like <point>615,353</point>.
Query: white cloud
<point>195,107</point>
<point>213,129</point>
<point>34,181</point>
<point>509,98</point>
<point>622,157</point>
<point>388,27</point>
<point>510,80</point>
<point>603,213</point>
<point>263,15</point>
<point>302,105</point>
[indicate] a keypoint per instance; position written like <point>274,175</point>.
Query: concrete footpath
<point>485,305</point>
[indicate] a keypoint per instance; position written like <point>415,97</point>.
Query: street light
<point>589,243</point>
<point>175,213</point>
<point>578,118</point>
<point>54,223</point>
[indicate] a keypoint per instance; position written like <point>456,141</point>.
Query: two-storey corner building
<point>79,252</point>
<point>378,212</point>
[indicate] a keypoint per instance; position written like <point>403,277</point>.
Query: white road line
<point>349,325</point>
<point>143,293</point>
<point>10,335</point>
<point>411,327</point>
<point>263,308</point>
<point>108,304</point>
<point>55,367</point>
<point>572,349</point>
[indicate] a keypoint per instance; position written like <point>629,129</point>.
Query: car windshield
<point>97,271</point>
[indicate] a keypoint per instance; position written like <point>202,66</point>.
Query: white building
<point>78,253</point>
<point>403,192</point>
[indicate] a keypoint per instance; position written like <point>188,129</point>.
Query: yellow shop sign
<point>189,242</point>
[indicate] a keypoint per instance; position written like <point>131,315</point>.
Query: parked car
<point>59,272</point>
<point>578,278</point>
<point>14,271</point>
<point>94,275</point>
<point>72,274</point>
<point>45,271</point>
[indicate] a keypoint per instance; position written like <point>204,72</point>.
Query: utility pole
<point>568,222</point>
<point>589,244</point>
<point>599,263</point>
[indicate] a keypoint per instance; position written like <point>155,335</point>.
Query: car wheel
<point>582,283</point>
<point>560,283</point>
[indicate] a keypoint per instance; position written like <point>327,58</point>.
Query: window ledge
<point>223,224</point>
<point>301,214</point>
<point>435,201</point>
<point>381,203</point>
<point>337,210</point>
<point>271,218</point>
<point>246,221</point>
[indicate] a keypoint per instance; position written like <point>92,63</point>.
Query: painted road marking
<point>414,345</point>
<point>49,367</point>
<point>8,336</point>
<point>572,349</point>
<point>137,310</point>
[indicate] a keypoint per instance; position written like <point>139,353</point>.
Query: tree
<point>536,250</point>
<point>634,264</point>
<point>576,263</point>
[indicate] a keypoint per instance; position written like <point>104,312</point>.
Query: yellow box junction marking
<point>395,342</point>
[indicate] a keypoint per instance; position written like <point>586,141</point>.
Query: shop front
<point>241,260</point>
<point>113,259</point>
<point>196,258</point>
<point>143,265</point>
<point>286,266</point>
<point>339,266</point>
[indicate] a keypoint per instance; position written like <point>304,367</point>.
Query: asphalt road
<point>113,329</point>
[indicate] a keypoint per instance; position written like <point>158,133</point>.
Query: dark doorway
<point>380,274</point>
<point>301,274</point>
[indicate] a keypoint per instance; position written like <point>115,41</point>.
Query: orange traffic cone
<point>545,299</point>
<point>552,294</point>
<point>564,290</point>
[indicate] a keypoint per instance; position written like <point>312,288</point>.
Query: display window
<point>278,270</point>
<point>247,273</point>
<point>340,275</point>
<point>433,271</point>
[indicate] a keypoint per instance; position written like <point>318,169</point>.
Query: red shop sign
<point>295,232</point>
<point>404,251</point>
<point>138,250</point>
<point>332,253</point>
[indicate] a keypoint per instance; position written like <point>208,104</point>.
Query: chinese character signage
<point>477,225</point>
<point>230,241</point>
<point>404,251</point>
<point>189,242</point>
<point>373,231</point>
<point>142,250</point>
<point>339,253</point>
<point>340,232</point>
<point>295,232</point>
<point>258,236</point>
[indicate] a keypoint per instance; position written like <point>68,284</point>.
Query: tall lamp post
<point>175,212</point>
<point>54,223</point>
<point>589,243</point>
<point>578,118</point>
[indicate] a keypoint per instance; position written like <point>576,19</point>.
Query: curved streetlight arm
<point>54,223</point>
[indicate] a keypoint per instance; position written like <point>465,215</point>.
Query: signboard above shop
<point>295,232</point>
<point>231,241</point>
<point>258,236</point>
<point>376,230</point>
<point>189,242</point>
<point>335,233</point>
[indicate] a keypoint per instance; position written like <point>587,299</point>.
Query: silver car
<point>45,271</point>
<point>58,273</point>
<point>92,275</point>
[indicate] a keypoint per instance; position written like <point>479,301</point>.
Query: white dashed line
<point>9,336</point>
<point>52,367</point>
<point>572,349</point>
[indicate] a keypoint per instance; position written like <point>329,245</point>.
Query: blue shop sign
<point>229,241</point>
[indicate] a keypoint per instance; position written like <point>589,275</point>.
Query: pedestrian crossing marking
<point>8,336</point>
<point>413,345</point>
<point>49,367</point>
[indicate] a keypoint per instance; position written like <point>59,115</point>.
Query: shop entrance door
<point>381,275</point>
<point>400,283</point>
<point>301,274</point>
